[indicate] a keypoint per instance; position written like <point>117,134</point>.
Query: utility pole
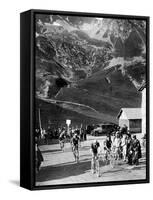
<point>39,119</point>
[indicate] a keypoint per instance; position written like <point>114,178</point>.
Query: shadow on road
<point>63,171</point>
<point>51,151</point>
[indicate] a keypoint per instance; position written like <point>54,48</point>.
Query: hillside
<point>86,68</point>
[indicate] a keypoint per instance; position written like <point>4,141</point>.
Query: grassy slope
<point>106,98</point>
<point>58,115</point>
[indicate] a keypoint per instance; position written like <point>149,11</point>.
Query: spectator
<point>129,149</point>
<point>136,150</point>
<point>124,147</point>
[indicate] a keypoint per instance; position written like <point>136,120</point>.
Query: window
<point>135,123</point>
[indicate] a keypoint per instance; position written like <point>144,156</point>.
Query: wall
<point>124,121</point>
<point>123,115</point>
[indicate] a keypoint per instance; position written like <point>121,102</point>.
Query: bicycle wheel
<point>62,145</point>
<point>92,166</point>
<point>97,168</point>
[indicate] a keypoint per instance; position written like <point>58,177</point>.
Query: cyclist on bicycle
<point>61,139</point>
<point>107,147</point>
<point>95,148</point>
<point>75,144</point>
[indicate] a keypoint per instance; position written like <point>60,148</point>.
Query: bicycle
<point>109,157</point>
<point>75,152</point>
<point>61,143</point>
<point>112,157</point>
<point>95,165</point>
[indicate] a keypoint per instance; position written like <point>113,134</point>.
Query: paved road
<point>60,168</point>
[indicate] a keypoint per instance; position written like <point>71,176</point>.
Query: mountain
<point>84,71</point>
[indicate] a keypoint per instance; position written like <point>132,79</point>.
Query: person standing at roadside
<point>117,145</point>
<point>129,149</point>
<point>38,158</point>
<point>136,150</point>
<point>124,147</point>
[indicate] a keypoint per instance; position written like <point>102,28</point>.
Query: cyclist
<point>61,139</point>
<point>75,149</point>
<point>95,149</point>
<point>107,147</point>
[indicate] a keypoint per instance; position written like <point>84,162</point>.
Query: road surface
<point>60,168</point>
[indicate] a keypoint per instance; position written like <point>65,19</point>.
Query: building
<point>132,118</point>
<point>142,89</point>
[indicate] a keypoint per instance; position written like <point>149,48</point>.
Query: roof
<point>131,113</point>
<point>142,86</point>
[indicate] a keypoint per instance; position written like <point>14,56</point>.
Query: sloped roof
<point>131,113</point>
<point>142,86</point>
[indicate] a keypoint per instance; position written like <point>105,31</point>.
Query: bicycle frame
<point>95,165</point>
<point>75,152</point>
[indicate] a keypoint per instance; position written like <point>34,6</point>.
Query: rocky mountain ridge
<point>101,71</point>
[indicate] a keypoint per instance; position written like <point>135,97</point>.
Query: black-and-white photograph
<point>90,99</point>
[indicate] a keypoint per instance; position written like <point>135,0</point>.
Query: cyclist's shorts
<point>95,156</point>
<point>75,147</point>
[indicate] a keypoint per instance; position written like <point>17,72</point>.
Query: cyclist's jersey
<point>94,147</point>
<point>75,140</point>
<point>107,144</point>
<point>62,136</point>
